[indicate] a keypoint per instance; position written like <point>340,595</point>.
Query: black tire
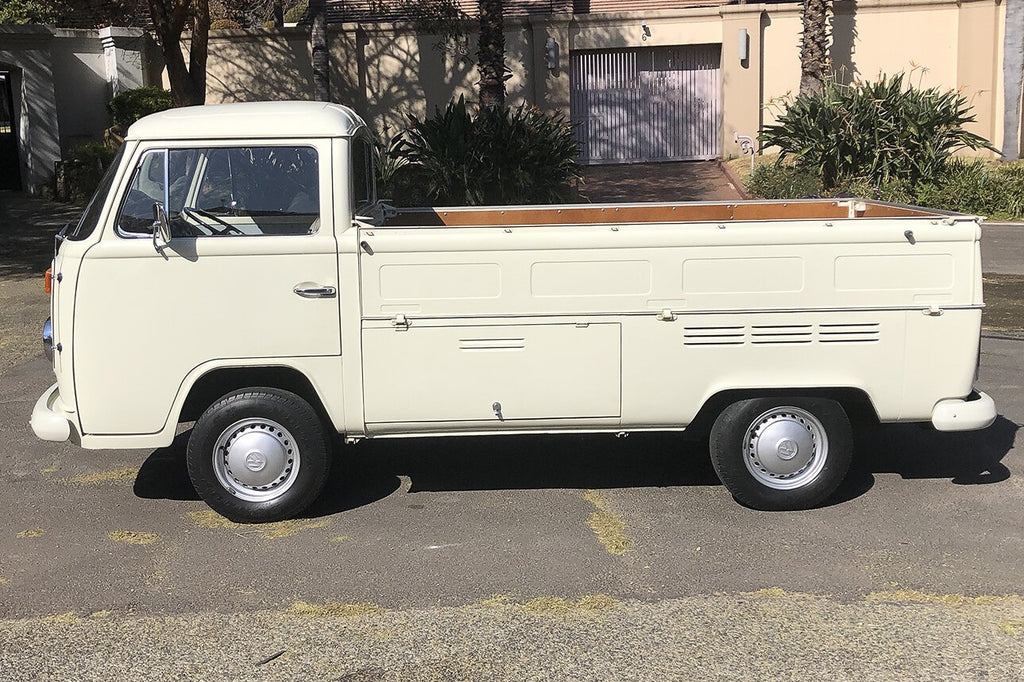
<point>782,453</point>
<point>259,455</point>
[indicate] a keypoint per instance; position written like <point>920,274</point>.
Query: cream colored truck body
<point>509,319</point>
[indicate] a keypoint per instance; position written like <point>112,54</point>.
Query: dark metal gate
<point>10,165</point>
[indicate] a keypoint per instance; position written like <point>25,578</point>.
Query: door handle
<point>315,291</point>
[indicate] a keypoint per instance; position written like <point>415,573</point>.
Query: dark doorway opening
<point>10,165</point>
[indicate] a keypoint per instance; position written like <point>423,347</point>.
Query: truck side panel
<point>702,308</point>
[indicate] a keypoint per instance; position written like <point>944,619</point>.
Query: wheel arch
<point>855,402</point>
<point>219,381</point>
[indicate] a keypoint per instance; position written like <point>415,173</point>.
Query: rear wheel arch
<point>855,402</point>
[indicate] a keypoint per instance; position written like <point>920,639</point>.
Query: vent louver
<point>782,334</point>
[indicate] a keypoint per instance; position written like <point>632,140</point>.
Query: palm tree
<point>1013,76</point>
<point>814,40</point>
<point>318,42</point>
<point>491,53</point>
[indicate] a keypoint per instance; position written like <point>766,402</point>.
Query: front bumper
<point>50,421</point>
<point>976,411</point>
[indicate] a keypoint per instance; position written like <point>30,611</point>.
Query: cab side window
<point>225,191</point>
<point>363,185</point>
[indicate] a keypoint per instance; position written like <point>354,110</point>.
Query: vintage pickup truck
<point>236,270</point>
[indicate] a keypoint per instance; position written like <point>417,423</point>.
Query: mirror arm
<point>161,229</point>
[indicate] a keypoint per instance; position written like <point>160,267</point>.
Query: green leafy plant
<point>84,168</point>
<point>882,131</point>
<point>784,181</point>
<point>131,105</point>
<point>294,13</point>
<point>976,186</point>
<point>490,156</point>
<point>32,11</point>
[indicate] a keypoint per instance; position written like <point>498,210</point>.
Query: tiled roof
<point>339,11</point>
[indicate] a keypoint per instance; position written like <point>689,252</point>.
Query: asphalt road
<point>523,559</point>
<point>1002,248</point>
<point>496,559</point>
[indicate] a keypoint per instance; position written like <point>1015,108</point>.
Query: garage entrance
<point>647,104</point>
<point>10,166</point>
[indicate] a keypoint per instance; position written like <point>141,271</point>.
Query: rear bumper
<point>976,411</point>
<point>49,419</point>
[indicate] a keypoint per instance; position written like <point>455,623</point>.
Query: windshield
<point>91,215</point>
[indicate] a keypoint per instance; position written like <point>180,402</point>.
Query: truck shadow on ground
<point>370,471</point>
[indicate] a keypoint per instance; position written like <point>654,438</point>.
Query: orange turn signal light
<point>48,281</point>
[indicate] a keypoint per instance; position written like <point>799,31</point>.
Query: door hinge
<point>400,322</point>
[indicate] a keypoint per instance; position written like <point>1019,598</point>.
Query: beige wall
<point>946,45</point>
<point>62,80</point>
<point>387,71</point>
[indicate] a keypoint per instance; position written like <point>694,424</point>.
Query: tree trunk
<point>1013,79</point>
<point>318,42</point>
<point>491,53</point>
<point>198,50</point>
<point>170,18</point>
<point>814,45</point>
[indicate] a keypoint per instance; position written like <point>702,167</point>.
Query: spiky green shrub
<point>882,131</point>
<point>488,156</point>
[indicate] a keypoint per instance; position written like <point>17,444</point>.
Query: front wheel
<point>258,455</point>
<point>782,453</point>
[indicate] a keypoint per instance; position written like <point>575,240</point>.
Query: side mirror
<point>161,228</point>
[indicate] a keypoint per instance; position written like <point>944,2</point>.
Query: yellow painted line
<point>130,537</point>
<point>333,610</point>
<point>607,526</point>
<point>270,531</point>
<point>1012,626</point>
<point>32,533</point>
<point>126,474</point>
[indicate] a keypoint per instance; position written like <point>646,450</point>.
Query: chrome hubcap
<point>256,459</point>
<point>785,448</point>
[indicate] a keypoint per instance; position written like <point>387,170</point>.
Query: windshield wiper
<point>191,211</point>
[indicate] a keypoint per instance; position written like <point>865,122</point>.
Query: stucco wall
<point>63,79</point>
<point>387,71</point>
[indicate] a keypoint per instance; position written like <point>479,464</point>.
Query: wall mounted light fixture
<point>551,54</point>
<point>744,45</point>
<point>646,29</point>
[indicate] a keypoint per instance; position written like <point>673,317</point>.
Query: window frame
<point>197,180</point>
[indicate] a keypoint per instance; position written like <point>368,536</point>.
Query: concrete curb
<point>734,180</point>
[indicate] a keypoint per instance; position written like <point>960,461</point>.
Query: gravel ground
<point>766,635</point>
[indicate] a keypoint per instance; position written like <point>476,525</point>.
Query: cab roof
<point>249,120</point>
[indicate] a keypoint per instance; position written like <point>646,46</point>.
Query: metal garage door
<point>647,104</point>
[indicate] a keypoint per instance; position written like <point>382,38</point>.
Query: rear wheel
<point>782,453</point>
<point>258,455</point>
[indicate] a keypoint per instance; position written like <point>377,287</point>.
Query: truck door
<point>250,272</point>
